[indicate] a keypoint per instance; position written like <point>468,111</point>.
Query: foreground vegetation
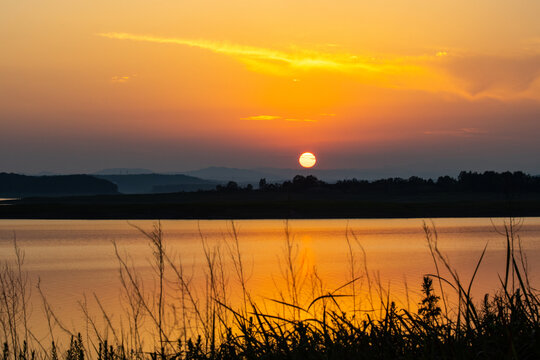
<point>358,320</point>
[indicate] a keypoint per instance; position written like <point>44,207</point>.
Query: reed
<point>359,319</point>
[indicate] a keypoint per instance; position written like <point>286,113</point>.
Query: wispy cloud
<point>120,79</point>
<point>261,117</point>
<point>467,74</point>
<point>275,117</point>
<point>298,58</point>
<point>463,132</point>
<point>490,73</point>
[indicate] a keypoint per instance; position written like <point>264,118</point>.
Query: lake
<point>75,260</point>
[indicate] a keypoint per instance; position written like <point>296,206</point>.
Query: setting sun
<point>307,160</point>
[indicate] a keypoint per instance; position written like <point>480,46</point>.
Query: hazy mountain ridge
<point>224,174</point>
<point>157,183</point>
<point>123,171</point>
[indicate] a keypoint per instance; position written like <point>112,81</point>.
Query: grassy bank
<point>360,319</point>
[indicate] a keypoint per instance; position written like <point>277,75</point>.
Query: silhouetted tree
<point>262,184</point>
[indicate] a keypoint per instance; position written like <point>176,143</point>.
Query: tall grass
<point>176,320</point>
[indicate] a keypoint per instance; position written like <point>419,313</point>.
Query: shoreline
<point>270,206</point>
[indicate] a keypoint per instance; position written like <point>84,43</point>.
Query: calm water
<point>74,259</point>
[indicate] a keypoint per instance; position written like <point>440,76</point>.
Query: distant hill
<point>44,173</point>
<point>224,174</point>
<point>158,183</point>
<point>123,171</point>
<point>15,185</point>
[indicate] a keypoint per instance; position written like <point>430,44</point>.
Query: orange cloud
<point>274,117</point>
<point>468,75</point>
<point>301,59</point>
<point>261,117</point>
<point>492,74</point>
<point>119,79</point>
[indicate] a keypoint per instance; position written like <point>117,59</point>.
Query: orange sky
<point>179,85</point>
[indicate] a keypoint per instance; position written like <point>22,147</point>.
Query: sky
<point>170,85</point>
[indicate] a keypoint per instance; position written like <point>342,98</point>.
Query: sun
<point>307,160</point>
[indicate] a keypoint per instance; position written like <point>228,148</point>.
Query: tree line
<point>467,181</point>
